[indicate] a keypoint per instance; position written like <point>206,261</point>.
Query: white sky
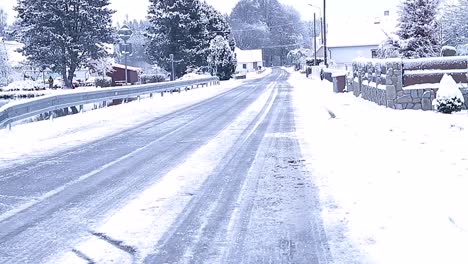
<point>136,9</point>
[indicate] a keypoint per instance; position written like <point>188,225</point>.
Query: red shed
<point>118,74</point>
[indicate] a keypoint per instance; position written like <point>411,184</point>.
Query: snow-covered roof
<point>246,56</point>
<point>355,33</point>
<point>130,68</point>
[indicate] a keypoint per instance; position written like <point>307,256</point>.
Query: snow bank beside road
<point>393,184</point>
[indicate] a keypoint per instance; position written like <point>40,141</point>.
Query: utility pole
<point>325,33</point>
<point>315,42</point>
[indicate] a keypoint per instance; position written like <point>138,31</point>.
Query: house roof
<point>357,33</point>
<point>246,56</point>
<point>130,68</point>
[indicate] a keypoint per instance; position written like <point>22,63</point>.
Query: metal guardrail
<point>31,108</point>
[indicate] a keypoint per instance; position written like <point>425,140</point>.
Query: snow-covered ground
<point>393,184</point>
<point>37,139</point>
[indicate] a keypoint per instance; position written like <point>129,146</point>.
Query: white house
<point>249,60</point>
<point>353,38</point>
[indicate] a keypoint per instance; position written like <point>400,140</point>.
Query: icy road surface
<point>222,181</point>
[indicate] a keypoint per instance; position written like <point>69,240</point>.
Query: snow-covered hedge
<point>449,97</point>
<point>152,78</point>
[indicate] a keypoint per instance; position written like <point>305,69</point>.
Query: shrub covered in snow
<point>152,78</point>
<point>449,97</point>
<point>103,82</point>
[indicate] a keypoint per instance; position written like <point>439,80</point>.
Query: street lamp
<point>125,33</point>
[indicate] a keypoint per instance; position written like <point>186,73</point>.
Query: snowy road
<point>236,188</point>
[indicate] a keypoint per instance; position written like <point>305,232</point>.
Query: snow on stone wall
<point>381,81</point>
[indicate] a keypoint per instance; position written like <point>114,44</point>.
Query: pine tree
<point>222,58</point>
<point>184,28</point>
<point>64,34</point>
<point>176,28</point>
<point>418,29</point>
<point>216,24</point>
<point>5,69</point>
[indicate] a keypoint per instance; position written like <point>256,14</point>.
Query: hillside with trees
<point>271,26</point>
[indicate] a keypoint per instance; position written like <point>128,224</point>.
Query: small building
<point>118,74</point>
<point>249,60</point>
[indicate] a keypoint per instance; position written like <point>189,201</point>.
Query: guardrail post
<point>162,94</point>
<point>151,95</point>
<point>81,108</point>
<point>9,126</point>
<point>104,104</point>
<point>139,98</point>
<point>179,90</point>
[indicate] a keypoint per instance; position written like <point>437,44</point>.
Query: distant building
<point>353,38</point>
<point>118,74</point>
<point>249,60</point>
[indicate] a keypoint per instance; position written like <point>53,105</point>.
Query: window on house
<point>374,53</point>
<point>244,66</point>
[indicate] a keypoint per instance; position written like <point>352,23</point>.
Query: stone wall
<point>381,81</point>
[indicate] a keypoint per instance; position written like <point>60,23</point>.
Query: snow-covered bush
<point>152,78</point>
<point>103,82</point>
<point>449,98</point>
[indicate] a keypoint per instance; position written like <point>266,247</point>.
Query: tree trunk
<point>65,78</point>
<point>71,74</point>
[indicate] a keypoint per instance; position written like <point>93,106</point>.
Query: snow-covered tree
<point>65,34</point>
<point>184,28</point>
<point>222,58</point>
<point>449,97</point>
<point>3,22</point>
<point>453,26</point>
<point>176,28</point>
<point>102,66</point>
<point>215,24</point>
<point>299,57</point>
<point>5,69</point>
<point>418,29</point>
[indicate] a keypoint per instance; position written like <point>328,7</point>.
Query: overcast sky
<point>136,9</point>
